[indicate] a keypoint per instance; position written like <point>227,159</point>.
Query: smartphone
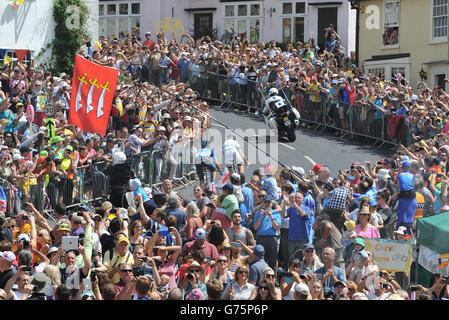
<point>163,231</point>
<point>27,268</point>
<point>445,281</point>
<point>79,214</point>
<point>380,274</point>
<point>236,244</point>
<point>93,276</point>
<point>288,280</point>
<point>384,285</point>
<point>413,288</point>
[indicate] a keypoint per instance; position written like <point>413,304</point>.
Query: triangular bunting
<point>21,54</point>
<point>7,60</point>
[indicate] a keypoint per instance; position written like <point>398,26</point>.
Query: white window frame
<point>12,54</point>
<point>248,17</point>
<point>389,64</point>
<point>292,17</point>
<point>103,18</point>
<point>394,46</point>
<point>435,40</point>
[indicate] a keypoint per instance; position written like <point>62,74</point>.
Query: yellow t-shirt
<point>116,261</point>
<point>315,97</point>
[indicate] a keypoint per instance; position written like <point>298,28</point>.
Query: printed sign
<point>429,260</point>
<point>390,255</point>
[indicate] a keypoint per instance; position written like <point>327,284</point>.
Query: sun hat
<point>194,264</point>
<point>359,241</point>
<point>401,230</point>
<point>42,281</point>
<point>364,210</point>
<point>135,183</point>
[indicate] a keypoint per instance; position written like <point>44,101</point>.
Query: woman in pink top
<point>363,228</point>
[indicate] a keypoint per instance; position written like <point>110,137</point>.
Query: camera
<point>384,285</point>
<point>93,275</point>
<point>190,276</point>
<point>144,259</point>
<point>27,269</point>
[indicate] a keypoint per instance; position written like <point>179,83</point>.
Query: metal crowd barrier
<point>231,91</point>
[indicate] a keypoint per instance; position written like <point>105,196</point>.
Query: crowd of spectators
<point>297,234</point>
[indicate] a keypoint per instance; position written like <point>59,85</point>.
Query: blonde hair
<point>45,235</point>
<point>54,274</point>
<point>267,269</point>
<point>192,210</point>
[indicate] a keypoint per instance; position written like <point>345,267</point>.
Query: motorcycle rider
<point>271,101</point>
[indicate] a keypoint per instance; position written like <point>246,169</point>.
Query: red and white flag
<point>93,88</point>
<point>221,181</point>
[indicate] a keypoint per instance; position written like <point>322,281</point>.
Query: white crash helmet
<point>273,92</point>
<point>118,158</point>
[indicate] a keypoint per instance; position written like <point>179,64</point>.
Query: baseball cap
<point>161,128</point>
<point>317,167</point>
<point>259,250</point>
<point>228,188</point>
<point>302,289</point>
<point>340,282</point>
<point>307,246</point>
<point>9,256</point>
<point>299,170</point>
<point>23,237</point>
<point>69,147</point>
<point>200,233</point>
<point>405,164</point>
<point>63,227</point>
<point>123,239</point>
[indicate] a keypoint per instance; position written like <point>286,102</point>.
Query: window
<point>119,18</point>
<point>380,72</point>
<point>12,55</point>
<point>439,81</point>
<point>243,20</point>
<point>396,70</point>
<point>392,16</point>
<point>293,21</point>
<point>439,19</point>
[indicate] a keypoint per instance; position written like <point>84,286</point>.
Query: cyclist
<point>233,154</point>
<point>205,159</point>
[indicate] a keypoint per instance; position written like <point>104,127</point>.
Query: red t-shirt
<point>149,44</point>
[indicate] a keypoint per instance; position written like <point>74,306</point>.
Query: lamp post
<point>422,75</point>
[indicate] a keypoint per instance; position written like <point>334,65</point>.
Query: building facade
<point>405,36</point>
<point>31,26</point>
<point>259,20</point>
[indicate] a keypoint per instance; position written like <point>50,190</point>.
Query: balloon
<point>30,113</point>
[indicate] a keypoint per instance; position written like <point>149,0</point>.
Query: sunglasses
<point>243,272</point>
<point>127,270</point>
<point>263,288</point>
<point>222,261</point>
<point>269,275</point>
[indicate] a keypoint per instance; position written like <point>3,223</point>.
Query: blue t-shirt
<point>248,197</point>
<point>329,284</point>
<point>298,225</point>
<point>405,180</point>
<point>266,226</point>
<point>145,197</point>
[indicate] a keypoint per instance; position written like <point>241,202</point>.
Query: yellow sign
<point>170,24</point>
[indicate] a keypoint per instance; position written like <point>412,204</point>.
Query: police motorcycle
<point>280,115</point>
